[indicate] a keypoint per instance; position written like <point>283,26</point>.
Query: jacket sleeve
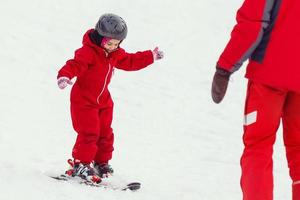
<point>79,64</point>
<point>252,19</point>
<point>133,61</point>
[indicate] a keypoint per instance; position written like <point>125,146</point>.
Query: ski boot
<point>104,170</point>
<point>83,170</point>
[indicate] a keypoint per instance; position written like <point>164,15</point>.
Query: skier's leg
<point>106,138</point>
<point>263,110</point>
<point>86,123</point>
<point>291,135</point>
<point>296,191</point>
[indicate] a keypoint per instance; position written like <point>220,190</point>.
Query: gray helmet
<point>112,26</point>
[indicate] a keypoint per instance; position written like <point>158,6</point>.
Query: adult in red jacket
<point>91,103</point>
<point>267,34</point>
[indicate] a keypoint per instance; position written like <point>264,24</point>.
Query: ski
<point>132,186</point>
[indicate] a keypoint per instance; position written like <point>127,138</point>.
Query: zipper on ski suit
<point>105,81</point>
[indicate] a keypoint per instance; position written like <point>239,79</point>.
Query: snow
<point>168,133</point>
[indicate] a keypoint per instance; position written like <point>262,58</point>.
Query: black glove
<point>219,84</point>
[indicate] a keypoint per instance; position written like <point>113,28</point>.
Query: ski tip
<point>133,186</point>
<point>60,177</point>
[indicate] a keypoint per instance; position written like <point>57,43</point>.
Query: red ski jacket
<point>267,33</point>
<point>93,69</point>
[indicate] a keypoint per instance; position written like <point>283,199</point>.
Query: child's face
<point>111,45</point>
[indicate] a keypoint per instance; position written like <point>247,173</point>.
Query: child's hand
<point>157,54</point>
<point>63,82</point>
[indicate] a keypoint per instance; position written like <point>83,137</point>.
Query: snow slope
<point>169,135</point>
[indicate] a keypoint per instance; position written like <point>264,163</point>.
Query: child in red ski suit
<point>91,102</point>
<point>267,33</point>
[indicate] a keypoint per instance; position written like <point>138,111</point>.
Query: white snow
<point>168,133</point>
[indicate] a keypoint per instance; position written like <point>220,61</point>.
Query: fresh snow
<point>169,135</point>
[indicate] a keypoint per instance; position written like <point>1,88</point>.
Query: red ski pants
<point>264,108</point>
<point>94,133</point>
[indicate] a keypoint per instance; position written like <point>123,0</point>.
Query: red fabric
<point>95,136</point>
<point>94,69</point>
<point>279,67</point>
<point>296,192</point>
<point>91,103</point>
<point>271,106</point>
<point>244,34</point>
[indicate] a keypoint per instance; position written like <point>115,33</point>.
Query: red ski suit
<point>267,33</point>
<point>91,103</point>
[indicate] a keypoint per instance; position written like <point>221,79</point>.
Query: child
<point>91,103</point>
